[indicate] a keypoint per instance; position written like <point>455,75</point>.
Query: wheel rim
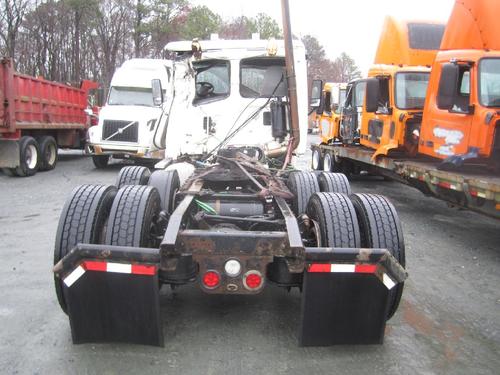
<point>31,156</point>
<point>315,160</point>
<point>50,154</point>
<point>327,163</point>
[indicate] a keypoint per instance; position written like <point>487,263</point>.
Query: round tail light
<point>211,279</point>
<point>252,280</point>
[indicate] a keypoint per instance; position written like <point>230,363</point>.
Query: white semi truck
<point>130,117</point>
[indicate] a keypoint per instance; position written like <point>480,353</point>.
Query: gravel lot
<point>448,322</point>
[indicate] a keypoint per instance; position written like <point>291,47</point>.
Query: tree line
<point>69,40</point>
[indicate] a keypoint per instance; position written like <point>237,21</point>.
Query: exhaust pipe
<point>290,71</point>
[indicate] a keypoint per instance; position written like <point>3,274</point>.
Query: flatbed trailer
<point>471,186</point>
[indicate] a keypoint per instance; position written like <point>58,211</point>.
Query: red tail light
<point>211,279</point>
<point>252,280</point>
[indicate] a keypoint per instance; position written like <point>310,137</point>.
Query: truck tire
<point>133,215</point>
<point>167,183</point>
<point>302,185</point>
<point>317,160</point>
<point>29,157</point>
<point>82,220</point>
<point>48,153</point>
<point>100,161</point>
<point>334,183</point>
<point>381,228</point>
<point>336,218</point>
<point>133,175</point>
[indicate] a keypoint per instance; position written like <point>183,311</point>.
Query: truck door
<point>325,119</point>
<point>446,131</point>
<point>351,116</point>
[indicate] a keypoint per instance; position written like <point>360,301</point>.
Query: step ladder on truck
<point>241,220</point>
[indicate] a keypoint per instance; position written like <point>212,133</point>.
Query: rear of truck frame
<point>233,228</point>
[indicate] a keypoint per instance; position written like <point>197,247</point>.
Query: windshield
<point>411,89</point>
<point>359,94</point>
<point>130,96</point>
<point>262,77</point>
<point>489,82</point>
<point>212,79</point>
<point>342,96</point>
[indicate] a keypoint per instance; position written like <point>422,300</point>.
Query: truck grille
<point>118,131</point>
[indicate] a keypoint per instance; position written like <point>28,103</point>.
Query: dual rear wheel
<point>343,219</point>
<point>35,155</point>
<point>122,215</point>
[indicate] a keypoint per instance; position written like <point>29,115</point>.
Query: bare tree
<point>11,17</point>
<point>109,44</point>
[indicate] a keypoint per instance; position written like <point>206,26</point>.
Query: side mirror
<point>157,92</point>
<point>316,89</point>
<point>372,95</point>
<point>447,86</point>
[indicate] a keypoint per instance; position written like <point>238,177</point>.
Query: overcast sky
<point>352,26</point>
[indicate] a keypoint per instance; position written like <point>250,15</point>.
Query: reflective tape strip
<point>322,267</point>
<point>94,266</point>
<point>73,276</point>
<point>388,282</point>
<point>99,266</point>
<point>366,268</point>
<point>342,268</point>
<point>119,268</point>
<point>139,269</point>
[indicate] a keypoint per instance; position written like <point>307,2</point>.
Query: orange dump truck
<point>441,140</point>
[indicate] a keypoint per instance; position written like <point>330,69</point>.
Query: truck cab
<point>328,112</point>
<point>393,112</point>
<point>397,85</point>
<point>130,117</point>
<point>461,117</point>
<point>232,94</point>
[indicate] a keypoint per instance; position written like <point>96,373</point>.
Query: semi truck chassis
<point>232,227</point>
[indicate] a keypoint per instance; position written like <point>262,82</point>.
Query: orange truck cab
<point>328,112</point>
<point>462,110</point>
<point>397,85</point>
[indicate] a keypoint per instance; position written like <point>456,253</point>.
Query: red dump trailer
<point>36,118</point>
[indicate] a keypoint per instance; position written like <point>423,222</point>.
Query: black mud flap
<point>347,303</point>
<point>114,305</point>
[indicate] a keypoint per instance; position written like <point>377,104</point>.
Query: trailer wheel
<point>29,157</point>
<point>167,183</point>
<point>133,217</point>
<point>329,164</point>
<point>133,175</point>
<point>82,220</point>
<point>317,160</point>
<point>381,228</point>
<point>100,161</point>
<point>334,183</point>
<point>48,151</point>
<point>336,217</point>
<point>302,185</point>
